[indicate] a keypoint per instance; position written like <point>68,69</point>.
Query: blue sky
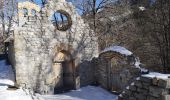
<point>98,1</point>
<point>78,10</point>
<point>39,1</point>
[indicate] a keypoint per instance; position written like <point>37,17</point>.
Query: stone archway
<point>117,68</point>
<point>114,64</point>
<point>63,68</point>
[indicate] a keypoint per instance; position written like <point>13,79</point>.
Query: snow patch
<point>120,95</point>
<point>132,84</point>
<point>126,52</point>
<point>118,49</point>
<point>142,8</point>
<point>157,75</point>
<point>85,93</point>
<point>138,78</point>
<point>6,82</point>
<point>127,87</point>
<point>138,64</point>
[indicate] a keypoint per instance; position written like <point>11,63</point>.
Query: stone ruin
<point>49,57</point>
<point>147,88</point>
<point>52,56</point>
<point>46,55</point>
<point>115,68</point>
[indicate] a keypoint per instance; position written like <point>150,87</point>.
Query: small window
<point>25,12</point>
<point>61,20</point>
<point>33,12</point>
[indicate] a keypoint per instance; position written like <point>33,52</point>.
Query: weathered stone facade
<point>146,88</point>
<point>114,71</point>
<point>41,52</point>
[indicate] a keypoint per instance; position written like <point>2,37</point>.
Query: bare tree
<point>7,17</point>
<point>157,26</point>
<point>93,13</point>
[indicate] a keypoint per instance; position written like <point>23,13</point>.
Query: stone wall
<point>146,88</point>
<point>37,42</point>
<point>113,71</point>
<point>87,75</point>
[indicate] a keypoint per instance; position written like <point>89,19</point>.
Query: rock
<point>166,97</point>
<point>132,88</point>
<point>157,91</point>
<point>138,84</point>
<point>164,83</point>
<point>155,81</point>
<point>146,86</point>
<point>146,79</point>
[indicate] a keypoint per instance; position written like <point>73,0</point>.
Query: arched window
<point>33,12</point>
<point>25,12</point>
<point>62,20</point>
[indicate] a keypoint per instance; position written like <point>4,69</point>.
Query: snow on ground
<point>118,49</point>
<point>85,93</point>
<point>14,95</point>
<point>6,79</point>
<point>6,74</point>
<point>157,75</point>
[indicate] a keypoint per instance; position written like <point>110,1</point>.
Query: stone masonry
<point>39,49</point>
<point>114,71</point>
<point>146,88</point>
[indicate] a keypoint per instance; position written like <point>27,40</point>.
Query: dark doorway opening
<point>67,78</point>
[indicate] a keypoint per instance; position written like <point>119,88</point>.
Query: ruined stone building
<point>51,54</point>
<point>47,55</point>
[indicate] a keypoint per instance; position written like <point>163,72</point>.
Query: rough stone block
<point>146,79</point>
<point>120,98</point>
<point>125,95</point>
<point>132,98</point>
<point>166,97</point>
<point>155,81</point>
<point>164,83</point>
<point>142,91</point>
<point>138,84</point>
<point>127,92</point>
<point>156,91</point>
<point>132,88</point>
<point>145,86</point>
<point>151,98</point>
<point>140,97</point>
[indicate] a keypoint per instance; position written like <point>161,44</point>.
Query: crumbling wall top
<point>29,6</point>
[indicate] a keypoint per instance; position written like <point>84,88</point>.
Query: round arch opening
<point>61,20</point>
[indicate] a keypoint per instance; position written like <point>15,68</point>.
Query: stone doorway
<point>64,72</point>
<point>116,65</point>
